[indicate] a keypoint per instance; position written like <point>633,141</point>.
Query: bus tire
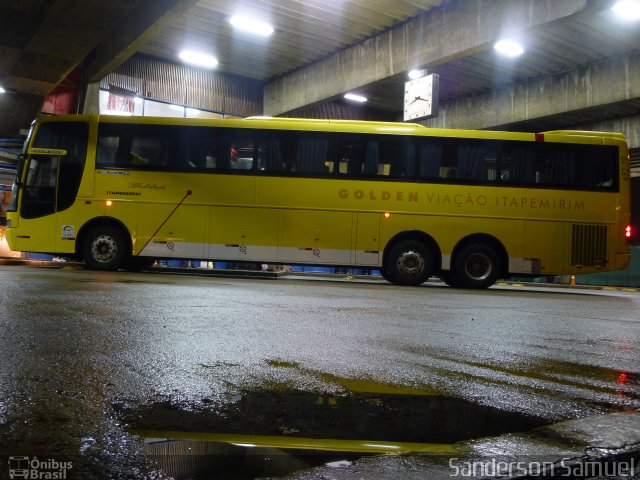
<point>383,274</point>
<point>409,262</point>
<point>105,248</point>
<point>476,265</point>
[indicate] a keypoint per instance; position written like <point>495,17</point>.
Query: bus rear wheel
<point>476,266</point>
<point>408,263</point>
<point>105,248</point>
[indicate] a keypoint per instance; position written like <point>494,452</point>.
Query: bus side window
<point>351,154</point>
<point>153,151</point>
<point>241,152</point>
<point>597,166</point>
<point>107,152</point>
<point>201,148</point>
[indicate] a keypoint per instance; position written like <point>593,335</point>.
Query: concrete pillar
<point>92,99</point>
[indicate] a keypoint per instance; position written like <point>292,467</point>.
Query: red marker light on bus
<point>627,231</point>
<point>108,203</point>
<point>387,215</point>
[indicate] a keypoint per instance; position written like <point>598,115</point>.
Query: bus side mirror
<point>19,166</point>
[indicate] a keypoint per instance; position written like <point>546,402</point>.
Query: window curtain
<point>471,164</point>
<point>562,168</point>
<point>276,164</point>
<point>523,166</point>
<point>430,160</point>
<point>405,166</point>
<point>311,155</point>
<point>371,159</point>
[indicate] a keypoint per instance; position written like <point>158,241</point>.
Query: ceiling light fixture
<point>198,59</point>
<point>627,9</point>
<point>417,73</point>
<point>2,90</point>
<point>251,25</point>
<point>510,48</point>
<point>355,98</point>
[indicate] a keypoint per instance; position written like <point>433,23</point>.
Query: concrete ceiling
<point>41,41</point>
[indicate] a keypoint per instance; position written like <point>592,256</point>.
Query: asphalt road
<point>88,357</point>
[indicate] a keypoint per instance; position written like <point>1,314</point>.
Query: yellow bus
<point>467,206</point>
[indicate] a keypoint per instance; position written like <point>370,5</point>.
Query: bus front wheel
<point>104,248</point>
<point>476,266</point>
<point>409,263</point>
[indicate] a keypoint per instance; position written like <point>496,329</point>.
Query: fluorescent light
<point>627,9</point>
<point>251,25</point>
<point>509,48</point>
<point>198,59</point>
<point>417,73</point>
<point>355,98</point>
<point>119,113</point>
<point>2,90</point>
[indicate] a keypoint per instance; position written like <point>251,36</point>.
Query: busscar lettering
<point>464,199</point>
<point>146,186</point>
<point>124,194</point>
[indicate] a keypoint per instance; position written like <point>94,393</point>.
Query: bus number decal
<point>47,151</point>
<point>68,232</point>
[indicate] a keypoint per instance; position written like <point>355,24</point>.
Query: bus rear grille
<point>589,245</point>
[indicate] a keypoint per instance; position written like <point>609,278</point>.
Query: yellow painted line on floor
<point>303,443</point>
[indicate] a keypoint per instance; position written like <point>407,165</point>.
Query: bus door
<point>55,163</point>
<point>38,204</point>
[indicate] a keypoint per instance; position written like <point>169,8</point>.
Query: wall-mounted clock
<point>421,97</point>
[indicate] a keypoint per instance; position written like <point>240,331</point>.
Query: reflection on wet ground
<point>275,433</point>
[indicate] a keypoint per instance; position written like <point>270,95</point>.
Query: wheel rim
<point>411,263</point>
<point>104,248</point>
<point>478,266</point>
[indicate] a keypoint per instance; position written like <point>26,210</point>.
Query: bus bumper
<point>10,235</point>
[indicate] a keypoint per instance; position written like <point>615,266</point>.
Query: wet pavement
<point>119,372</point>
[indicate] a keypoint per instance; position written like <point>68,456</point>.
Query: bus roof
<point>351,126</point>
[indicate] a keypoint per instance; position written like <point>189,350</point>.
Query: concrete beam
<point>630,126</point>
<point>142,24</point>
<point>607,83</point>
<point>446,33</point>
<point>17,112</point>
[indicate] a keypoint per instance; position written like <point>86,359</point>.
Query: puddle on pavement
<point>270,433</point>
